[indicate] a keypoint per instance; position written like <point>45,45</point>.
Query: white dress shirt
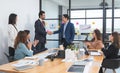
<point>65,25</point>
<point>12,33</point>
<point>40,19</point>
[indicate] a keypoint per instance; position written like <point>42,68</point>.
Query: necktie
<point>43,23</point>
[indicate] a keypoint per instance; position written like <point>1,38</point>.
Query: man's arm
<point>58,31</point>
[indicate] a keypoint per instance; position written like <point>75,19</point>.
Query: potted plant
<point>72,47</point>
<point>70,52</point>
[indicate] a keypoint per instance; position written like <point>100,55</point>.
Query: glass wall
<point>117,20</point>
<point>52,10</point>
<point>84,14</point>
<point>94,18</point>
<point>51,21</point>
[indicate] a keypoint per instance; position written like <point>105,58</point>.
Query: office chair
<point>10,58</point>
<point>111,64</point>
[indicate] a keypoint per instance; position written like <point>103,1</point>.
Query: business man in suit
<point>66,31</point>
<point>40,32</point>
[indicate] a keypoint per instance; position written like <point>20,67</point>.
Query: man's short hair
<point>41,13</point>
<point>66,16</point>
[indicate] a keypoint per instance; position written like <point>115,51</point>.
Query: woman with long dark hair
<point>12,33</point>
<point>96,42</point>
<point>21,49</point>
<point>113,49</point>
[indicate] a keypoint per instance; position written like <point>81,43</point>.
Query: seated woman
<point>21,49</point>
<point>33,43</point>
<point>113,49</point>
<point>96,42</point>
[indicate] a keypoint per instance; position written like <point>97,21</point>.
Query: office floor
<point>110,71</point>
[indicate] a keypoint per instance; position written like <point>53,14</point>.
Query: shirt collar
<point>40,19</point>
<point>66,22</point>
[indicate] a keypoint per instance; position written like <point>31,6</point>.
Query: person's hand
<point>103,46</point>
<point>35,42</point>
<point>49,32</point>
<point>87,43</point>
<point>29,45</point>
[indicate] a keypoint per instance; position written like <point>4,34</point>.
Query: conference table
<point>55,66</point>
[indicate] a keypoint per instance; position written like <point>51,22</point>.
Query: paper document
<point>95,53</point>
<point>25,62</point>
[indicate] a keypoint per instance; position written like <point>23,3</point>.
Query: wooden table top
<point>56,66</point>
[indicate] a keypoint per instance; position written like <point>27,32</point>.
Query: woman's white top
<point>12,33</point>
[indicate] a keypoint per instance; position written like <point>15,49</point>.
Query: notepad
<point>23,67</point>
<point>25,62</point>
<point>80,63</point>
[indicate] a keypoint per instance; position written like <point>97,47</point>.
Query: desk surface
<point>56,66</point>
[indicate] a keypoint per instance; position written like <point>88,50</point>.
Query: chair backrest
<point>111,63</point>
<point>10,58</point>
<point>119,53</point>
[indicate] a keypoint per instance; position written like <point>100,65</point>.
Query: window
<point>78,22</point>
<point>109,13</point>
<point>108,25</point>
<point>87,17</point>
<point>117,12</point>
<point>78,14</point>
<point>94,17</point>
<point>94,13</point>
<point>117,25</point>
<point>95,24</point>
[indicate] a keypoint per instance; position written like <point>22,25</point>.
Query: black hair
<point>66,16</point>
<point>12,19</point>
<point>41,13</point>
<point>27,32</point>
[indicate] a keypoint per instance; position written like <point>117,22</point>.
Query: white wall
<point>27,11</point>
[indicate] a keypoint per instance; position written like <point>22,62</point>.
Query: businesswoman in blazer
<point>21,48</point>
<point>66,31</point>
<point>12,33</point>
<point>96,42</point>
<point>113,49</point>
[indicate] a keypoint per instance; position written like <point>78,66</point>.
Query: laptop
<point>91,52</point>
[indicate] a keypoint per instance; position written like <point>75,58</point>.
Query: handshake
<point>49,32</point>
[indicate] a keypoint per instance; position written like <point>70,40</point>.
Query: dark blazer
<point>111,52</point>
<point>69,32</point>
<point>40,32</point>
